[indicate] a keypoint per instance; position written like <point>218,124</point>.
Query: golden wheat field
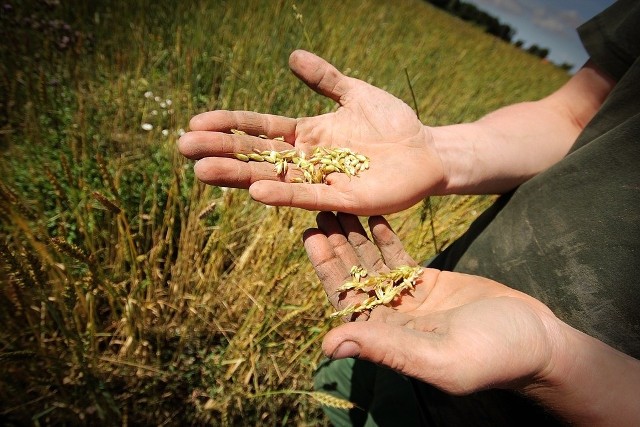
<point>131,294</point>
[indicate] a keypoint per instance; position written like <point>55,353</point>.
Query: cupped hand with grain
<point>408,160</point>
<point>368,120</point>
<point>464,333</point>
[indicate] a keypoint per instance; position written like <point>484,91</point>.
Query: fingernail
<point>346,349</point>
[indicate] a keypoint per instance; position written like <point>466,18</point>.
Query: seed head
<point>379,290</point>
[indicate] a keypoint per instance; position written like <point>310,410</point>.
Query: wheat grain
<point>106,202</point>
<point>62,246</point>
<point>315,169</point>
<point>13,270</point>
<point>64,162</point>
<point>330,400</point>
<point>107,178</point>
<point>207,210</point>
<point>381,289</point>
<point>15,202</point>
<point>55,183</point>
<point>321,397</point>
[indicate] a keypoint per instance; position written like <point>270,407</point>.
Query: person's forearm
<point>502,150</point>
<point>507,147</point>
<point>589,383</point>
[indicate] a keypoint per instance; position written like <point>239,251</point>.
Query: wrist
<point>585,381</point>
<point>455,146</point>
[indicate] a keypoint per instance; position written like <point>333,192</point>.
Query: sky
<point>548,23</point>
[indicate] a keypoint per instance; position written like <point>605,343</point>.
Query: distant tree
<point>540,52</point>
<point>470,12</point>
<point>444,4</point>
<point>505,32</point>
<point>519,44</point>
<point>543,52</point>
<point>566,66</point>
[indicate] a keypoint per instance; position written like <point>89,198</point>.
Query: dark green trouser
<point>386,398</point>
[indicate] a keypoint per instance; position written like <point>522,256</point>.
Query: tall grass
<point>132,294</point>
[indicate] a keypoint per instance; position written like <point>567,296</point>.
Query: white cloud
<point>510,6</point>
<point>544,16</point>
<point>557,21</point>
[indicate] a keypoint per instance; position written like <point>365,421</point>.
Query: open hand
<point>404,166</point>
<point>459,332</point>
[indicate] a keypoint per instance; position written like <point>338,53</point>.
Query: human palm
<point>459,332</point>
<point>369,121</point>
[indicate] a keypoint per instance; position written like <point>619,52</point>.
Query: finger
<point>389,244</point>
<point>226,172</point>
<point>404,350</point>
<point>367,252</point>
<point>319,75</point>
<point>250,122</point>
<point>329,267</point>
<point>330,226</point>
<point>313,197</point>
<point>457,362</point>
<point>198,144</point>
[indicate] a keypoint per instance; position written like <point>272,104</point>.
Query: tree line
<point>491,24</point>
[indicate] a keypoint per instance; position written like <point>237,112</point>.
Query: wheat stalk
<point>320,397</point>
<point>380,290</point>
<point>330,400</point>
<point>64,162</point>
<point>106,202</point>
<point>14,271</point>
<point>207,210</point>
<point>10,196</point>
<point>107,178</point>
<point>55,183</point>
<point>74,251</point>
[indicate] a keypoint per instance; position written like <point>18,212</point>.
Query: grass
<point>132,294</point>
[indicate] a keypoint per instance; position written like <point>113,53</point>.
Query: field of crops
<point>130,294</point>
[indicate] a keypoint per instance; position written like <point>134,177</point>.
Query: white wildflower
<point>165,132</point>
<point>147,126</point>
<point>148,94</point>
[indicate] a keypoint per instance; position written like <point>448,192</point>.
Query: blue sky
<point>547,23</point>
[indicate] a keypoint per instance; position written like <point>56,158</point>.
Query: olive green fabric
<point>571,235</point>
<point>382,397</point>
<point>386,399</point>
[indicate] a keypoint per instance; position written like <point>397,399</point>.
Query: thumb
<point>319,75</point>
<point>392,346</point>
